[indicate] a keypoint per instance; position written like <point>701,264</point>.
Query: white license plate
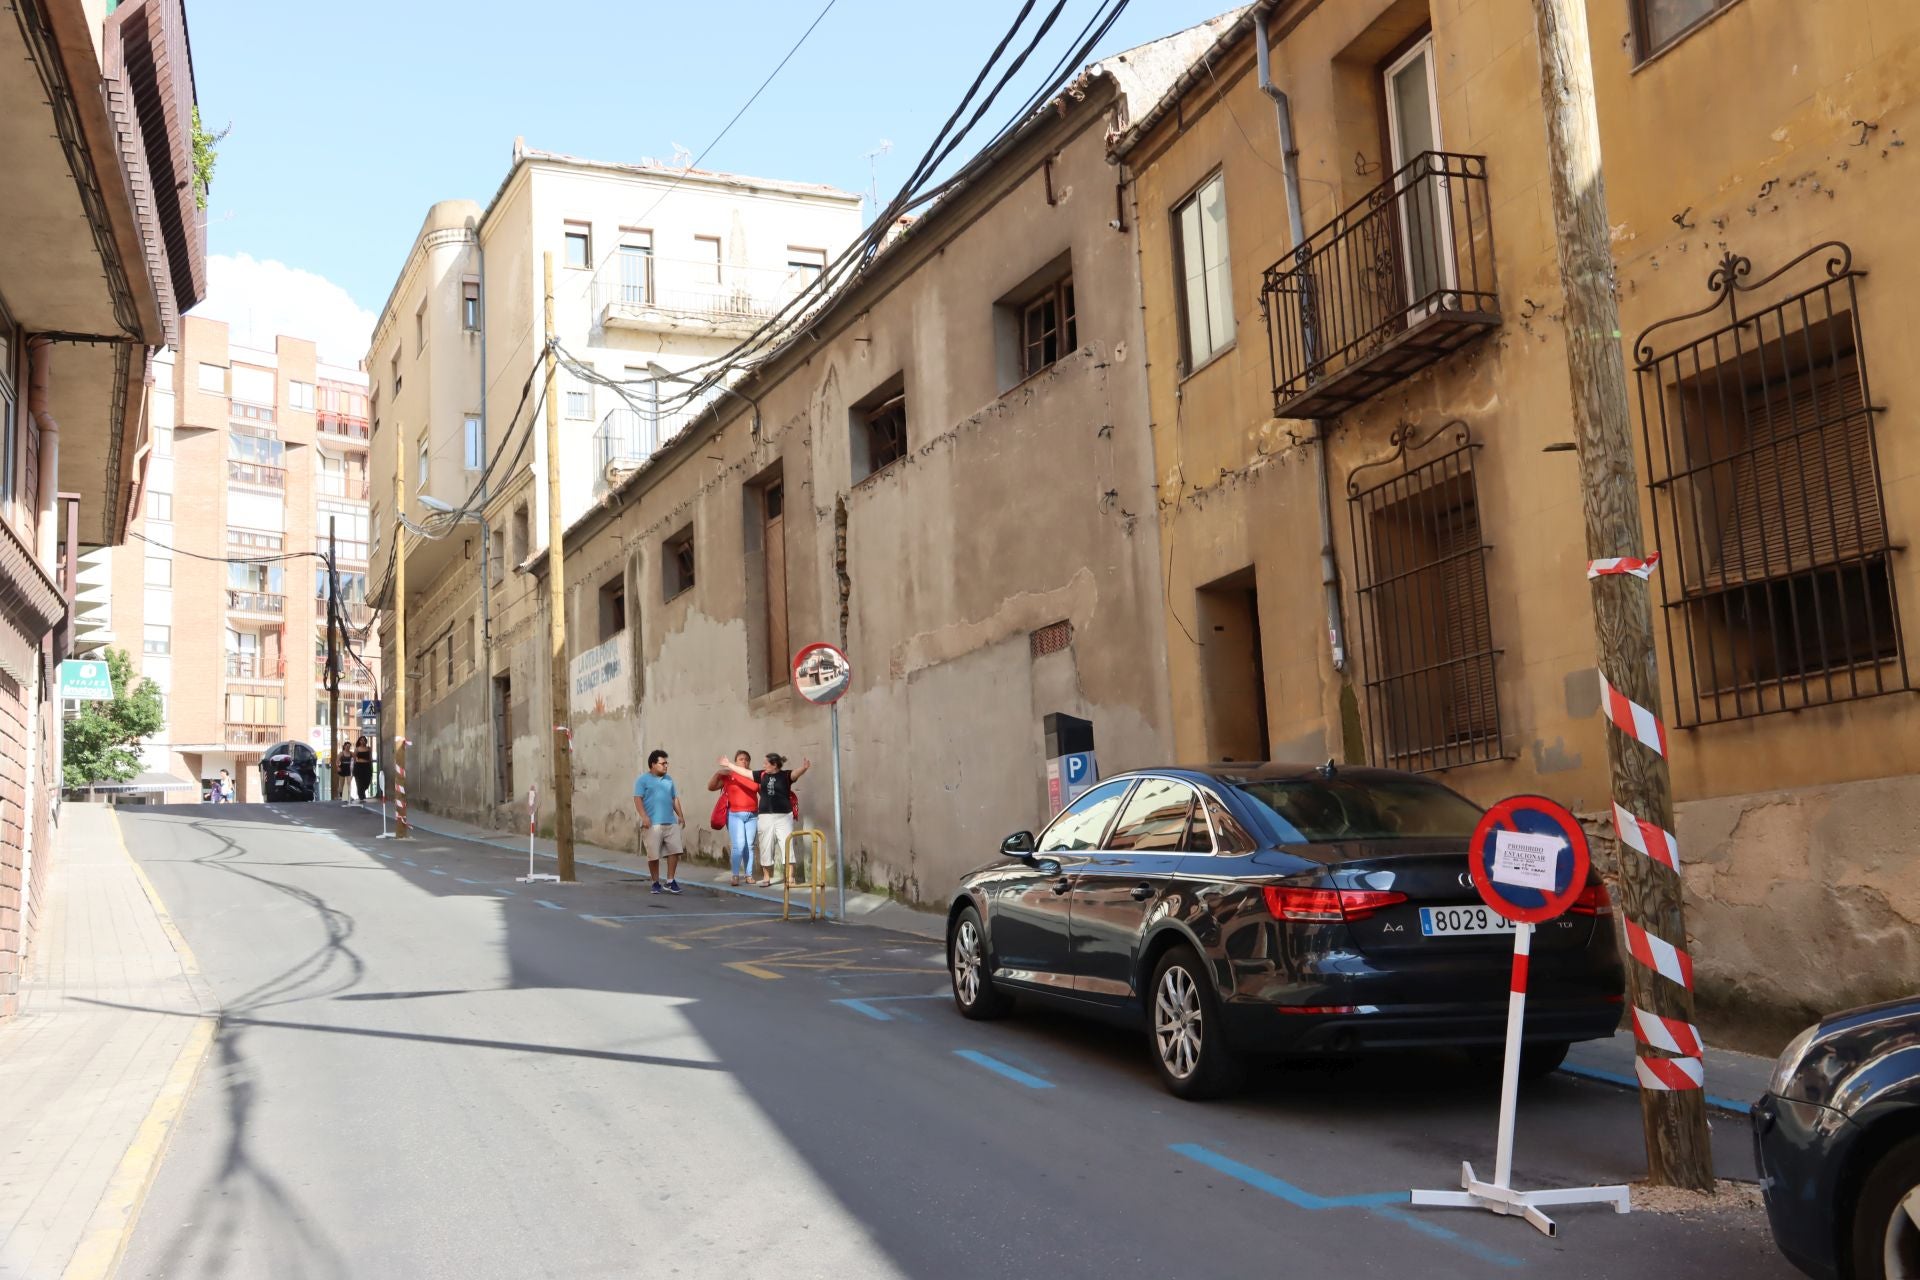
<point>1443,922</point>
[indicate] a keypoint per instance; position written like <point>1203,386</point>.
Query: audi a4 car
<point>1837,1139</point>
<point>1241,912</point>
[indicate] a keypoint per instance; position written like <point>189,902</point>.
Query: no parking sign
<point>1528,858</point>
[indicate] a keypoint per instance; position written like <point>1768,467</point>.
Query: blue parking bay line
<point>1378,1203</point>
<point>998,1067</point>
<point>1628,1082</point>
<point>865,1005</point>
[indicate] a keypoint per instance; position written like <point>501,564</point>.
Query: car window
<point>1156,818</point>
<point>1336,808</point>
<point>1082,823</point>
<point>1232,837</point>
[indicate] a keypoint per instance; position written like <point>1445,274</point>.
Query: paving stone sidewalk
<point>114,1020</point>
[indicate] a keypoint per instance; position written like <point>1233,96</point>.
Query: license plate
<point>1443,922</point>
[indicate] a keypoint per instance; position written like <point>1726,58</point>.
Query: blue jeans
<point>741,829</point>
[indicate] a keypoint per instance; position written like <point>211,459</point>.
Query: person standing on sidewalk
<point>343,772</point>
<point>657,800</point>
<point>363,766</point>
<point>775,820</point>
<point>741,801</point>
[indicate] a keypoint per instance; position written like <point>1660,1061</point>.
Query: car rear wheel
<point>973,989</point>
<point>1886,1217</point>
<point>1184,1015</point>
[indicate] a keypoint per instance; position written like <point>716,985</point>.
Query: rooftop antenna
<point>682,158</point>
<point>1327,770</point>
<point>873,173</point>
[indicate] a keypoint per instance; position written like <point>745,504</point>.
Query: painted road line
<point>601,920</point>
<point>435,871</point>
<point>866,1004</point>
<point>464,880</point>
<point>666,913</point>
<point>1628,1082</point>
<point>998,1067</point>
<point>410,862</point>
<point>669,942</point>
<point>507,892</point>
<point>551,906</point>
<point>1380,1203</point>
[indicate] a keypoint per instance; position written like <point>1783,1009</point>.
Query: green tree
<point>101,741</point>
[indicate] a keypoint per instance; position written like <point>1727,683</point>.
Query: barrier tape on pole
<point>1632,719</point>
<point>1655,1032</point>
<point>1641,569</point>
<point>1677,1037</point>
<point>1670,1073</point>
<point>1644,837</point>
<point>561,728</point>
<point>400,780</point>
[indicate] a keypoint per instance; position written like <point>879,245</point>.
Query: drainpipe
<point>47,537</point>
<point>1296,224</point>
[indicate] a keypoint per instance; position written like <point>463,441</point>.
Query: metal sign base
<point>1520,1204</point>
<point>540,878</point>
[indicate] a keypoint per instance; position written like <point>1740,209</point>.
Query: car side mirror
<point>1018,845</point>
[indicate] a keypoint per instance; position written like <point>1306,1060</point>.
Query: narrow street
<point>424,1068</point>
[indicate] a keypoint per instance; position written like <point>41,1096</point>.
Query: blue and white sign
<point>1078,771</point>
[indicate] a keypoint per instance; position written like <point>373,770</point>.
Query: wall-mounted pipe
<point>1296,224</point>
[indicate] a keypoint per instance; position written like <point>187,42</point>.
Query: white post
<point>839,834</point>
<point>533,807</point>
<point>1510,1066</point>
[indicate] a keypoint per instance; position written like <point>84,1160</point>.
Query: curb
<point>1726,1105</point>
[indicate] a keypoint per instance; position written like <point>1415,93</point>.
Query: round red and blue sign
<point>1528,858</point>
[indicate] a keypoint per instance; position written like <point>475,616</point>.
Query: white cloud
<point>260,299</point>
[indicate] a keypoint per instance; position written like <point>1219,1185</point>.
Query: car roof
<point>1279,771</point>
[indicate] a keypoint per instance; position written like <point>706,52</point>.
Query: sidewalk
<point>862,908</point>
<point>114,1022</point>
<point>1734,1080</point>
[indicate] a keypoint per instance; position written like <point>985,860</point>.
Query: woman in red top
<point>742,799</point>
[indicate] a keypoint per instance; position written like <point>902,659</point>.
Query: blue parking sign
<point>1078,771</point>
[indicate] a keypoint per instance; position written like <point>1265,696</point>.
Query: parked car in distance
<point>289,771</point>
<point>1239,911</point>
<point>1837,1141</point>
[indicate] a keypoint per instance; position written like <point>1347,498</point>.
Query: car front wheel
<point>973,989</point>
<point>1886,1217</point>
<point>1184,1016</point>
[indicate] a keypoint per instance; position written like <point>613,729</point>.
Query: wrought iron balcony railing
<point>256,473</point>
<point>624,438</point>
<point>1401,278</point>
<point>643,291</point>
<point>341,484</point>
<point>335,424</point>
<point>255,666</point>
<point>256,602</point>
<point>254,735</point>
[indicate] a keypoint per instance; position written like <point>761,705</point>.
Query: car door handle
<point>1141,892</point>
<point>1061,885</point>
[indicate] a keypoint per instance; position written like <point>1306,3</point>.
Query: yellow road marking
<point>753,970</point>
<point>611,924</point>
<point>669,942</point>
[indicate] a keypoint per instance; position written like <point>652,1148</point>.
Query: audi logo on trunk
<point>1466,880</point>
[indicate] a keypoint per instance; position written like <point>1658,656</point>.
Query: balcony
<point>264,413</point>
<point>263,603</point>
<point>348,484</point>
<point>644,292</point>
<point>1400,279</point>
<point>352,674</point>
<point>255,666</point>
<point>256,473</point>
<point>253,540</point>
<point>341,427</point>
<point>254,735</point>
<point>624,439</point>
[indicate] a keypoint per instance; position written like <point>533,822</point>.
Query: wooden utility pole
<point>396,776</point>
<point>562,731</point>
<point>334,622</point>
<point>1674,1120</point>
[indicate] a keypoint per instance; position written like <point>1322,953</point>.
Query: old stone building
<point>1390,385</point>
<point>948,473</point>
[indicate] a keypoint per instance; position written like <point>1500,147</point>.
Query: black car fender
<point>961,901</point>
<point>1162,934</point>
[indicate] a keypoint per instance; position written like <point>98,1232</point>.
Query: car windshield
<point>1312,810</point>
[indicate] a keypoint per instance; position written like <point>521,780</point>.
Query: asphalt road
<point>426,1069</point>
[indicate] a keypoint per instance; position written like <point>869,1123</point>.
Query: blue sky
<point>350,117</point>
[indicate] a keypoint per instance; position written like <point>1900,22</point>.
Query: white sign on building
<point>603,678</point>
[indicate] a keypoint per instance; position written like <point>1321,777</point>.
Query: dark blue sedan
<point>1246,911</point>
<point>1837,1137</point>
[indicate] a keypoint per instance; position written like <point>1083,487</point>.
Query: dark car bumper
<point>1264,1028</point>
<point>1797,1148</point>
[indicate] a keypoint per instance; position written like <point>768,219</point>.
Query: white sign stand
<point>532,876</point>
<point>1499,1195</point>
<point>384,833</point>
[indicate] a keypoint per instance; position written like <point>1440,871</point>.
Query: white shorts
<point>661,837</point>
<point>774,830</point>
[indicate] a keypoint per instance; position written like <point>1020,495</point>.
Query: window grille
<point>1051,638</point>
<point>1426,646</point>
<point>1761,457</point>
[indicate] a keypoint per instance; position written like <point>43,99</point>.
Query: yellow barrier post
<point>815,881</point>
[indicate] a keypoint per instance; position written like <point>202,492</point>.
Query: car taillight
<point>1594,900</point>
<point>1326,905</point>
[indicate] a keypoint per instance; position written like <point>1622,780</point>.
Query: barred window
<point>1767,507</point>
<point>1051,638</point>
<point>1426,646</point>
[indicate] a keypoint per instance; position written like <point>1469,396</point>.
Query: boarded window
<point>676,563</point>
<point>880,429</point>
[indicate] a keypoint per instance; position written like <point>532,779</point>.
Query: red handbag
<point>719,819</point>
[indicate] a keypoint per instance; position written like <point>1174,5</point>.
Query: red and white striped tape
<point>561,728</point>
<point>1641,569</point>
<point>1631,718</point>
<point>1670,1073</point>
<point>1644,837</point>
<point>1675,1035</point>
<point>1659,955</point>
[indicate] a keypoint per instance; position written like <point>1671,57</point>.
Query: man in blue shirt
<point>657,801</point>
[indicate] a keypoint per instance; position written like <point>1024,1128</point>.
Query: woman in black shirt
<point>777,806</point>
